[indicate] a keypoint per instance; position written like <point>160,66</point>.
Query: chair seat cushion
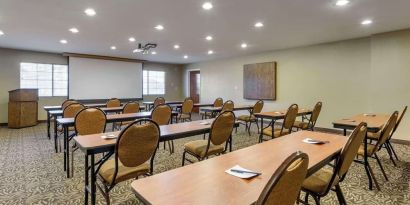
<point>370,150</point>
<point>319,181</point>
<point>373,135</point>
<point>184,116</point>
<point>198,147</point>
<point>247,118</point>
<point>276,133</point>
<point>124,173</point>
<point>301,125</point>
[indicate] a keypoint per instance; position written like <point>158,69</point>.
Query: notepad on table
<point>241,172</point>
<point>312,141</point>
<point>107,137</point>
<point>204,123</point>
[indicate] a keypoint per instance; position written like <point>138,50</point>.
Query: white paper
<point>204,123</point>
<point>240,175</point>
<point>107,137</point>
<point>311,141</point>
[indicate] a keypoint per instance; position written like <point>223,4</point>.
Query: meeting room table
<point>216,110</point>
<point>150,104</point>
<point>206,182</point>
<point>375,122</point>
<point>69,122</point>
<point>94,144</point>
<point>277,115</point>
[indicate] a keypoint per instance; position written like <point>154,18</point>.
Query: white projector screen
<point>104,79</point>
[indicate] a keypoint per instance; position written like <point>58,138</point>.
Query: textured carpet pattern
<point>31,173</point>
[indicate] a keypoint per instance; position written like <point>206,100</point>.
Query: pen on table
<point>245,172</point>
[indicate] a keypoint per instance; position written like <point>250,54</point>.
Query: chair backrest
<point>228,106</point>
<point>290,117</point>
<point>257,108</point>
<point>218,102</point>
<point>72,109</point>
<point>131,107</point>
<point>284,185</point>
<point>161,114</point>
<point>349,151</point>
<point>90,121</point>
<point>159,101</point>
<point>113,102</point>
<point>400,118</point>
<point>315,114</point>
<point>136,144</point>
<point>187,106</point>
<point>221,128</point>
<point>66,103</point>
<point>387,129</point>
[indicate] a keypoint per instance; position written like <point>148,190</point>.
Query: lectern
<point>23,108</point>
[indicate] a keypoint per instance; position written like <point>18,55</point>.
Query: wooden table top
<point>105,109</point>
<point>166,102</point>
<point>171,131</point>
<point>195,105</point>
<point>374,121</point>
<point>207,183</point>
<point>217,109</point>
<point>113,117</point>
<point>281,114</point>
<point>58,107</point>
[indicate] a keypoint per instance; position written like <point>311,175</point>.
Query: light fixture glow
<point>207,6</point>
<point>176,46</point>
<point>1,33</point>
<point>113,48</point>
<point>367,22</point>
<point>208,38</point>
<point>153,52</point>
<point>159,27</point>
<point>244,45</point>
<point>131,39</point>
<point>63,41</point>
<point>73,30</point>
<point>90,12</point>
<point>342,2</point>
<point>258,24</point>
<point>185,56</point>
<point>210,52</point>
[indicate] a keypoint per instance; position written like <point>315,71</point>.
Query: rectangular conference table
<point>94,144</point>
<point>375,122</point>
<point>215,110</point>
<point>69,122</point>
<point>277,115</point>
<point>149,105</point>
<point>206,182</point>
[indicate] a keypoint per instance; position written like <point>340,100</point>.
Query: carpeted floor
<point>31,173</point>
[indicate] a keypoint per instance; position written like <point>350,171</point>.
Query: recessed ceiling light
<point>131,39</point>
<point>244,45</point>
<point>113,48</point>
<point>63,41</point>
<point>90,12</point>
<point>73,30</point>
<point>207,6</point>
<point>367,22</point>
<point>210,52</point>
<point>153,53</point>
<point>1,33</point>
<point>176,46</point>
<point>159,27</point>
<point>208,38</point>
<point>342,2</point>
<point>258,24</point>
<point>185,56</point>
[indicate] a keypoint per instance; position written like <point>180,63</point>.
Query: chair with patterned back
<point>113,102</point>
<point>88,121</point>
<point>217,103</point>
<point>134,155</point>
<point>228,106</point>
<point>162,115</point>
<point>249,119</point>
<point>310,125</point>
<point>221,131</point>
<point>284,186</point>
<point>186,110</point>
<point>287,124</point>
<point>70,111</point>
<point>129,107</point>
<point>321,182</point>
<point>158,101</point>
<point>67,102</point>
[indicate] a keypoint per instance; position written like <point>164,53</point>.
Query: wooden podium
<point>23,108</point>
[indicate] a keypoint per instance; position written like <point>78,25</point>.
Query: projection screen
<point>104,79</point>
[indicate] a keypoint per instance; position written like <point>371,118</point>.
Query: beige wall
<point>173,80</point>
<point>10,60</point>
<point>350,77</point>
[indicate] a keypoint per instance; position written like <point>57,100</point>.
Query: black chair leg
<point>307,198</point>
<point>340,196</point>
<point>249,128</point>
<point>390,154</point>
<point>183,158</point>
<point>317,200</point>
<point>381,166</point>
<point>392,149</point>
<point>257,125</point>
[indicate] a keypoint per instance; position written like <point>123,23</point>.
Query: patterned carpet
<point>31,173</point>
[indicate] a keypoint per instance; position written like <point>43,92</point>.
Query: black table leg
<point>55,134</point>
<point>67,151</point>
<point>86,179</point>
<point>64,149</point>
<point>344,132</point>
<point>48,125</point>
<point>93,180</point>
<point>261,132</point>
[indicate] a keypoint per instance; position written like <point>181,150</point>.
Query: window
<point>153,82</point>
<point>49,79</point>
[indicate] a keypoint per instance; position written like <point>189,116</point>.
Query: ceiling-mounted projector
<point>144,49</point>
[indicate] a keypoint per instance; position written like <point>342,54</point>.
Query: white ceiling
<point>41,24</point>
